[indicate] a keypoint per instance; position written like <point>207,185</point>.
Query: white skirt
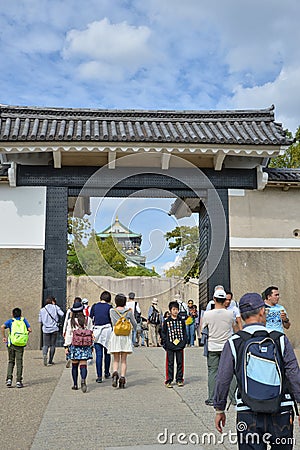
<point>118,344</point>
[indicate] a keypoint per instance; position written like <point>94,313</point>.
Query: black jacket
<point>174,330</point>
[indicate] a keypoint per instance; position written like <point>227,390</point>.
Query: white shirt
<point>131,304</point>
<point>219,322</point>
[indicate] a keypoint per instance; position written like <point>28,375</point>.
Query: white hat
<point>219,293</point>
<point>155,301</point>
<point>84,301</point>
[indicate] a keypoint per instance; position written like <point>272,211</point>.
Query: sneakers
<point>180,383</point>
<point>107,376</point>
<point>74,388</point>
<point>19,384</point>
<point>168,385</point>
<point>45,360</point>
<point>8,383</point>
<point>51,363</point>
<point>209,402</point>
<point>99,380</point>
<point>83,386</point>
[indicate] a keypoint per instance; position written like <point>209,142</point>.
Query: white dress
<point>118,344</point>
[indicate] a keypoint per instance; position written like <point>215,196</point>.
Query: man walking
<point>219,322</point>
<point>267,374</point>
<point>49,317</point>
<point>134,305</point>
<point>154,322</point>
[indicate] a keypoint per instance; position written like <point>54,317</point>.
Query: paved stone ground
<point>142,416</point>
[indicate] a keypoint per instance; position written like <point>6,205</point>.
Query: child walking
<point>16,341</point>
<point>78,354</point>
<point>174,339</point>
<point>120,346</point>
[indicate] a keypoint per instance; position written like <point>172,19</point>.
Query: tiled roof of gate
<point>253,127</point>
<point>283,175</point>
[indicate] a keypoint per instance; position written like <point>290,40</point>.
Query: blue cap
<point>250,302</point>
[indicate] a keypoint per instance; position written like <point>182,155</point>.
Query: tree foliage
<point>184,239</point>
<point>141,272</point>
<point>96,256</point>
<point>78,230</point>
<point>291,157</point>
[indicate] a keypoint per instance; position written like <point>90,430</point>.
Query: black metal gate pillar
<point>215,269</point>
<point>55,254</point>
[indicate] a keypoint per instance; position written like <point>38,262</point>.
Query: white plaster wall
<point>22,217</point>
<point>265,219</point>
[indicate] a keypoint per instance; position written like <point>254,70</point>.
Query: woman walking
<point>119,345</point>
<point>102,330</point>
<point>79,354</point>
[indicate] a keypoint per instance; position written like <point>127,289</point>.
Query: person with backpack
<point>134,305</point>
<point>19,329</point>
<point>268,378</point>
<point>120,343</point>
<point>79,344</point>
<point>174,340</point>
<point>102,330</point>
<point>154,322</point>
<point>49,318</point>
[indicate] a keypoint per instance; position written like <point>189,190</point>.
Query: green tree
<point>184,239</point>
<point>291,157</point>
<point>78,230</point>
<point>141,272</point>
<point>111,252</point>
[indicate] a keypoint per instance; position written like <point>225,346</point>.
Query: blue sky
<point>146,216</point>
<point>152,54</point>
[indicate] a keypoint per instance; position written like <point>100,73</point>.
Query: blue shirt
<point>9,322</point>
<point>100,313</point>
<point>273,320</point>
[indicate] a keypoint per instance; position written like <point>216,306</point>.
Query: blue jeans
<point>276,428</point>
<point>190,329</point>
<point>100,349</point>
<point>133,336</point>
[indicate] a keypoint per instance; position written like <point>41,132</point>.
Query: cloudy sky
<point>152,54</point>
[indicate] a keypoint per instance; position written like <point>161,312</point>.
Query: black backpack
<point>154,317</point>
<point>183,313</point>
<point>137,315</point>
<point>259,370</point>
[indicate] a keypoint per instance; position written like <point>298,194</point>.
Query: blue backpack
<point>259,370</point>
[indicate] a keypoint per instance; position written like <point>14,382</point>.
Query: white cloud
<point>152,55</point>
<point>108,47</point>
<point>170,264</point>
<point>283,92</point>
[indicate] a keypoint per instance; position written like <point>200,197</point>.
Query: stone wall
<point>21,284</point>
<point>254,270</point>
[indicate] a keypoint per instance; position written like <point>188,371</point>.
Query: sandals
<point>115,377</point>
